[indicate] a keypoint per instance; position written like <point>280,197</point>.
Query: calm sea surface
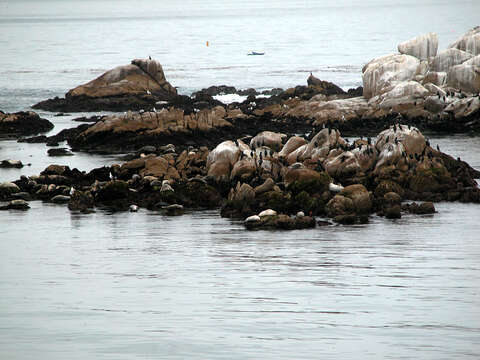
<point>144,286</point>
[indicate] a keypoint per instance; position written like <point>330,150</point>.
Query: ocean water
<point>144,286</point>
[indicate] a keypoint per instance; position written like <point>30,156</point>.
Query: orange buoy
<point>207,43</point>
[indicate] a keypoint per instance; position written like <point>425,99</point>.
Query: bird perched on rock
<point>438,147</point>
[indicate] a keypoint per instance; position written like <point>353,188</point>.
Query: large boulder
<point>23,123</point>
<point>381,74</point>
<point>339,205</point>
<point>422,47</point>
<point>140,76</point>
<point>448,58</point>
<point>359,196</point>
<point>7,189</point>
<point>470,42</point>
<point>464,77</point>
<point>140,83</point>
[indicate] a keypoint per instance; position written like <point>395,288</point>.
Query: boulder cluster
<point>267,179</point>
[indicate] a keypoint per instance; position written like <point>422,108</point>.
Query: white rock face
<point>473,61</point>
<point>470,42</point>
<point>448,58</point>
<point>226,152</point>
<point>406,88</point>
<point>422,47</point>
<point>465,78</point>
<point>436,78</point>
<point>382,74</point>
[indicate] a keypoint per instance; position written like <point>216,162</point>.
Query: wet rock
<point>7,189</point>
<point>390,199</point>
<point>22,196</point>
<point>339,205</point>
<point>59,152</point>
<point>11,164</point>
<point>347,219</point>
<point>81,201</point>
<point>174,210</point>
<point>60,199</point>
<point>360,198</point>
<point>393,212</point>
<point>387,186</point>
<point>280,221</point>
<point>112,190</point>
<point>23,123</point>
<point>422,209</point>
<point>17,204</point>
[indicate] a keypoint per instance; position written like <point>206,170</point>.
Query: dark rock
<point>11,164</point>
<point>81,201</point>
<point>112,190</point>
<point>60,199</point>
<point>323,223</point>
<point>22,196</point>
<point>17,204</point>
<point>23,123</point>
<point>393,212</point>
<point>59,152</point>
<point>174,210</point>
<point>348,219</point>
<point>7,189</point>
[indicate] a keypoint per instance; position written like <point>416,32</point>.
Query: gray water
<point>144,286</point>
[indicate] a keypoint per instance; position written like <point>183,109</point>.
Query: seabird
<point>438,147</point>
<point>72,191</point>
<point>148,92</point>
<point>149,57</point>
<point>427,142</point>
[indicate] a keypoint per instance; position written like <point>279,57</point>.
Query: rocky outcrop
<point>138,85</point>
<point>469,42</point>
<point>382,74</point>
<point>135,130</point>
<point>422,47</point>
<point>23,123</point>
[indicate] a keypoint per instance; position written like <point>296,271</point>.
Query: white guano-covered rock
<point>465,78</point>
<point>473,61</point>
<point>382,74</point>
<point>422,47</point>
<point>406,88</point>
<point>448,58</point>
<point>470,42</point>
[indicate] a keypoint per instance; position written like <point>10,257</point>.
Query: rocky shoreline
<point>279,158</point>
